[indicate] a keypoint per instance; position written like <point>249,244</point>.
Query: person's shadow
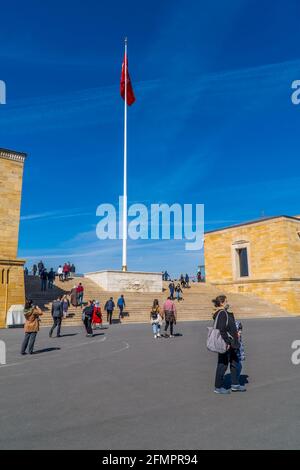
<point>40,351</point>
<point>243,380</point>
<point>69,334</point>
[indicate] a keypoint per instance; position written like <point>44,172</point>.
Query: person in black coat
<point>87,315</point>
<point>227,327</point>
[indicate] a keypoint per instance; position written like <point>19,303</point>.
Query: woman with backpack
<point>155,319</point>
<point>225,324</point>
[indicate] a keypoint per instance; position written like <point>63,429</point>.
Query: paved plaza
<point>124,390</point>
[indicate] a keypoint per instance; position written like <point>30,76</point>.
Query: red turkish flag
<point>130,95</point>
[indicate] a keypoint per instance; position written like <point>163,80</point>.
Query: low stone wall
<point>283,292</point>
<point>129,281</point>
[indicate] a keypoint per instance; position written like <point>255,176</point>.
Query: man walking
<point>57,314</point>
<point>87,315</point>
<point>170,316</point>
<point>109,307</point>
<point>121,304</point>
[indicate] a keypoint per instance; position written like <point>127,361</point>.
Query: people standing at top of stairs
<point>121,304</point>
<point>60,273</point>
<point>51,278</point>
<point>44,279</point>
<point>72,270</point>
<point>80,293</point>
<point>41,267</point>
<point>165,276</point>
<point>187,280</point>
<point>109,307</point>
<point>34,269</point>
<point>32,315</point>
<point>57,315</point>
<point>172,289</point>
<point>169,315</point>
<point>66,271</point>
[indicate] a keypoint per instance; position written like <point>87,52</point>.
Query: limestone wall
<point>11,174</point>
<point>273,255</point>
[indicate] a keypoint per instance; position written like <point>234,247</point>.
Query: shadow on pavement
<point>40,351</point>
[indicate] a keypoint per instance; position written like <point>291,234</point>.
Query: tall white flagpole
<point>124,257</point>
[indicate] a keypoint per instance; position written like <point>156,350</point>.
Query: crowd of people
<point>228,329</point>
<point>225,324</point>
<point>199,277</point>
<point>64,272</point>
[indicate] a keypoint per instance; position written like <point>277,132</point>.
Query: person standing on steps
<point>109,307</point>
<point>57,315</point>
<point>225,323</point>
<point>32,315</point>
<point>121,304</point>
<point>172,289</point>
<point>65,305</point>
<point>74,296</point>
<point>178,291</point>
<point>80,292</point>
<point>44,279</point>
<point>34,269</point>
<point>169,315</point>
<point>51,278</point>
<point>87,315</point>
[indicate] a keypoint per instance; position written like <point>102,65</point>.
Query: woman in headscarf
<point>73,295</point>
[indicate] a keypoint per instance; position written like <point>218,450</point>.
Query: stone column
<point>12,290</point>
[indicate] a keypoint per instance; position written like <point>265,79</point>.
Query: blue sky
<point>213,122</point>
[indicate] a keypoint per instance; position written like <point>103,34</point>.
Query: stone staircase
<point>195,306</point>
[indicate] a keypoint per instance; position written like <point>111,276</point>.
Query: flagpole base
<point>124,268</point>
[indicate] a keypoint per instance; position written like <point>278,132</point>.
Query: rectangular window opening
<point>243,268</point>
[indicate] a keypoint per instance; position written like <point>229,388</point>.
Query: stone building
<point>260,257</point>
<point>11,268</point>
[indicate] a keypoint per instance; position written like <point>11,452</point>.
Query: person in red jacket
<point>66,271</point>
<point>97,316</point>
<point>80,291</point>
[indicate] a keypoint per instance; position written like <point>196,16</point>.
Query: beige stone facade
<point>11,269</point>
<point>261,257</point>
